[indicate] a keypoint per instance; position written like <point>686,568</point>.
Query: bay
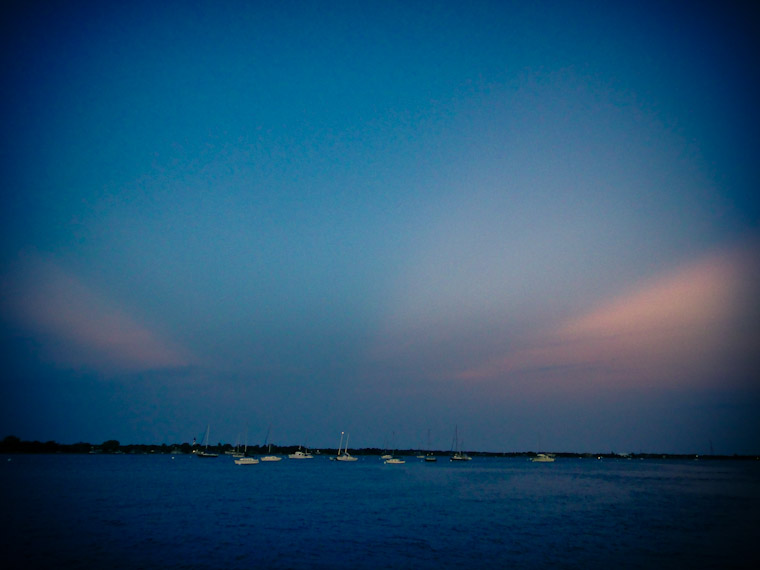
<point>179,511</point>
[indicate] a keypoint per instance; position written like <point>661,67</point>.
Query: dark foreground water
<point>163,511</point>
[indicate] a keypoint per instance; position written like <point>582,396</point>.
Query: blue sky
<point>535,221</point>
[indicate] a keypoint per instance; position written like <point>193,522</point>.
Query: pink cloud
<point>76,327</point>
<point>682,326</point>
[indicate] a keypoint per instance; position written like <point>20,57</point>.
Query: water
<point>163,511</point>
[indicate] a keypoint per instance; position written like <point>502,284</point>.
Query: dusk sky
<point>537,222</point>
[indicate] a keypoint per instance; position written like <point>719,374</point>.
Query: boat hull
<point>346,458</point>
<point>300,455</point>
<point>246,461</point>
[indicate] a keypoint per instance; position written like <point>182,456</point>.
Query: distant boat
<point>458,454</point>
<point>460,457</point>
<point>235,452</point>
<point>301,455</point>
<point>271,457</point>
<point>386,456</point>
<point>205,452</point>
<point>394,461</point>
<point>246,461</point>
<point>542,458</point>
<point>345,456</point>
<point>242,458</point>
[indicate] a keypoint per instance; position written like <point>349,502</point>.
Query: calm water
<point>163,511</point>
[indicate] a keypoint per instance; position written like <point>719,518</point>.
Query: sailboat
<point>270,458</point>
<point>235,452</point>
<point>346,456</point>
<point>458,454</point>
<point>244,459</point>
<point>394,461</point>
<point>388,456</point>
<point>205,452</point>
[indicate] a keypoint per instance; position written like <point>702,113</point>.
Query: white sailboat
<point>458,454</point>
<point>394,461</point>
<point>205,452</point>
<point>270,458</point>
<point>345,456</point>
<point>243,459</point>
<point>235,452</point>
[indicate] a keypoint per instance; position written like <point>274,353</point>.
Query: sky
<point>534,223</point>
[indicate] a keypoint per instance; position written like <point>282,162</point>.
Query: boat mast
<point>341,443</point>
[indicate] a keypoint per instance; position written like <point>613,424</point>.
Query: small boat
<point>235,451</point>
<point>300,455</point>
<point>345,456</point>
<point>246,461</point>
<point>460,457</point>
<point>205,452</point>
<point>271,457</point>
<point>542,458</point>
<point>458,454</point>
<point>242,458</point>
<point>201,453</point>
<point>394,461</point>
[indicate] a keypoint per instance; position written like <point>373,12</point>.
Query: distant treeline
<point>13,444</point>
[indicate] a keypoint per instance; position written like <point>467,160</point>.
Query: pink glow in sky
<point>77,328</point>
<point>678,327</point>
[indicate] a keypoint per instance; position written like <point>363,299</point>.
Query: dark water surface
<point>163,511</point>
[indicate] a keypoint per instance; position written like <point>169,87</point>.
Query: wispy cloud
<point>678,327</point>
<point>77,327</point>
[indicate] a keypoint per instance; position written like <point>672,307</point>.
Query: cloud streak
<point>75,327</point>
<point>679,327</point>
